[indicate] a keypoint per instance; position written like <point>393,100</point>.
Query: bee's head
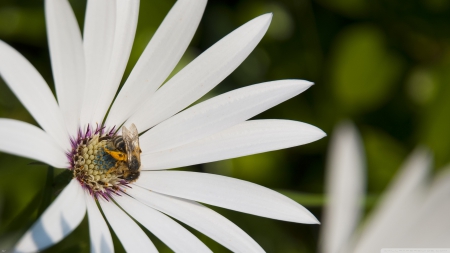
<point>134,164</point>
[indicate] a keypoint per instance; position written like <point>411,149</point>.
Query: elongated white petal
<point>199,217</point>
<point>126,22</point>
<point>159,58</point>
<point>167,230</point>
<point>399,206</point>
<point>219,113</point>
<point>67,55</point>
<point>33,92</point>
<point>99,32</point>
<point>129,233</point>
<point>60,218</point>
<point>250,137</point>
<point>431,228</point>
<point>101,241</point>
<point>226,192</point>
<point>202,74</point>
<point>23,139</point>
<point>344,187</point>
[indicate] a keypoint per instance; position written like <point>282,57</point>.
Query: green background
<point>383,64</point>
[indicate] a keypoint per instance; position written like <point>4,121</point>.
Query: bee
<point>127,153</point>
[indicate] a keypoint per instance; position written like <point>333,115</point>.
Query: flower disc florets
<point>92,166</point>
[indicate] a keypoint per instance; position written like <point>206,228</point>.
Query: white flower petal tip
<point>263,20</point>
<point>228,193</point>
<point>219,113</point>
<point>423,156</point>
<point>316,134</point>
<point>268,17</point>
<point>202,74</point>
<point>414,172</point>
<point>306,84</point>
<point>309,83</point>
<point>60,219</point>
<point>247,138</point>
<point>345,179</point>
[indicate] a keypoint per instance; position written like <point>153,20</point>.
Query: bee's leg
<point>119,156</point>
<point>111,170</point>
<point>126,173</point>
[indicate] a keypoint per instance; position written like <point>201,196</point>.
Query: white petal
<point>159,58</point>
<point>219,113</point>
<point>60,218</point>
<point>399,206</point>
<point>101,241</point>
<point>202,74</point>
<point>431,229</point>
<point>345,179</point>
<point>129,233</point>
<point>167,230</point>
<point>199,217</point>
<point>67,55</point>
<point>99,29</point>
<point>23,139</point>
<point>226,192</point>
<point>126,22</point>
<point>33,92</point>
<point>250,137</point>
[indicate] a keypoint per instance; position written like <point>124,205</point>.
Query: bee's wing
<point>131,139</point>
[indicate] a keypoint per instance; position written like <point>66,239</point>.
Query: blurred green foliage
<point>383,64</point>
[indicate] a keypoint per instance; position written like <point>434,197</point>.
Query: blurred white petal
<point>159,58</point>
<point>250,137</point>
<point>23,139</point>
<point>60,219</point>
<point>431,228</point>
<point>101,241</point>
<point>202,74</point>
<point>226,192</point>
<point>126,22</point>
<point>344,188</point>
<point>399,207</point>
<point>219,113</point>
<point>175,236</point>
<point>33,92</point>
<point>99,29</point>
<point>199,217</point>
<point>129,233</point>
<point>67,58</point>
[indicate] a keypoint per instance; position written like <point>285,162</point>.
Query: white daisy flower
<point>108,166</point>
<point>411,214</point>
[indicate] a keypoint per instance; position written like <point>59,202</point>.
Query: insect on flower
<point>109,170</point>
<point>125,149</point>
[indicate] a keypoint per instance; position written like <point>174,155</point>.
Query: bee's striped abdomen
<point>119,144</point>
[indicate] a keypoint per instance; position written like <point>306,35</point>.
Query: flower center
<point>100,161</point>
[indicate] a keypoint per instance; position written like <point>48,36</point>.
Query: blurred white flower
<point>411,214</point>
<point>87,73</point>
